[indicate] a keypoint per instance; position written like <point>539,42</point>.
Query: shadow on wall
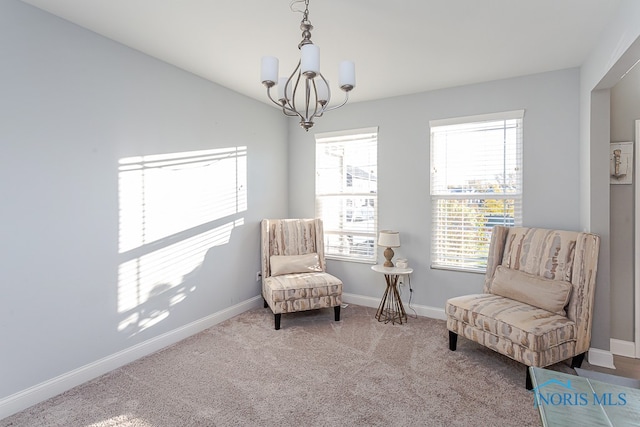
<point>174,208</point>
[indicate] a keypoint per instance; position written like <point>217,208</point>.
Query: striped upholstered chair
<point>294,276</point>
<point>537,305</point>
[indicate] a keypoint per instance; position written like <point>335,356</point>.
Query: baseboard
<point>420,310</point>
<point>47,389</point>
<point>360,300</point>
<point>603,358</point>
<point>623,348</point>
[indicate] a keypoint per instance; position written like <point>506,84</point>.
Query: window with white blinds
<point>476,183</point>
<point>347,192</point>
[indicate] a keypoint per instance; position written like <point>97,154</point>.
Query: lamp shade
<point>347,75</point>
<point>310,60</point>
<point>323,90</point>
<point>389,239</point>
<point>269,70</point>
<point>282,85</point>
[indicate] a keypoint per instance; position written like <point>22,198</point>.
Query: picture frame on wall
<point>621,163</point>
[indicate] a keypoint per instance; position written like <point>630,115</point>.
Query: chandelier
<point>305,93</point>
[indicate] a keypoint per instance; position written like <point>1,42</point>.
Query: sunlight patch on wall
<point>161,195</point>
<point>173,209</point>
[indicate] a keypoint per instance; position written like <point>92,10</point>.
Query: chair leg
<point>528,383</point>
<point>453,341</point>
<point>576,362</point>
<point>277,319</point>
<point>265,303</point>
<point>336,311</point>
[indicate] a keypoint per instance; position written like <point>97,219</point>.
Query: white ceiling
<point>399,47</point>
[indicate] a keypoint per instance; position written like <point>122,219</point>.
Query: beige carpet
<point>312,372</point>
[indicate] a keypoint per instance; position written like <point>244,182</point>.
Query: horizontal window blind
<point>476,183</point>
<point>346,193</point>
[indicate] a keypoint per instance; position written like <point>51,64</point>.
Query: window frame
<point>443,256</point>
<point>364,229</point>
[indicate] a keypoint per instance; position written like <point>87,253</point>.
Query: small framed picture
<point>621,163</point>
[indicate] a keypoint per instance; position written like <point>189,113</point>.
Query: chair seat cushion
<point>522,324</point>
<point>302,291</point>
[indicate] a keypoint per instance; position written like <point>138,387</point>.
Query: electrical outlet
<point>258,276</point>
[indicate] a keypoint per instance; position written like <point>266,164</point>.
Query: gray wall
<point>551,169</point>
<point>618,48</point>
<point>625,110</point>
<point>72,104</point>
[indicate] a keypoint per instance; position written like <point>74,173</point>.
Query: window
<point>346,192</point>
<point>476,183</point>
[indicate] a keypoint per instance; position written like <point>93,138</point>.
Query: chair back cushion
<point>550,295</point>
<point>287,264</point>
<point>286,237</point>
<point>541,252</point>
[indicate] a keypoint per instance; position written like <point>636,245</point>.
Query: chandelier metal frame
<point>305,93</point>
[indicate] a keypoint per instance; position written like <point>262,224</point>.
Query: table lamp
<point>389,239</point>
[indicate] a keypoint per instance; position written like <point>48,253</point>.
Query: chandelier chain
<point>305,12</point>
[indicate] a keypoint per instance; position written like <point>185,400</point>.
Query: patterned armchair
<point>538,295</point>
<point>294,276</point>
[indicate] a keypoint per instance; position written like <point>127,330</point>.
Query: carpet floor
<point>312,372</point>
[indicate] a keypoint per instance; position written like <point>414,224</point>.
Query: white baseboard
<point>421,310</point>
<point>360,300</point>
<point>47,389</point>
<point>623,348</point>
<point>601,358</point>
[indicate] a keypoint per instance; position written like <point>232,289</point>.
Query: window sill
<point>459,269</point>
<point>347,259</point>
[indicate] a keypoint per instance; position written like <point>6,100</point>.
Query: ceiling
<point>399,47</point>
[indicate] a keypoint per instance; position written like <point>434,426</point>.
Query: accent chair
<point>294,276</point>
<point>537,305</point>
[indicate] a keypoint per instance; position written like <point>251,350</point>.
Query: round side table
<point>391,308</point>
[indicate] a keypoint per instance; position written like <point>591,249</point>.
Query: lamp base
<point>388,254</point>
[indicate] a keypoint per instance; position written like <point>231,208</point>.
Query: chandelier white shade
<point>305,93</point>
<point>310,60</point>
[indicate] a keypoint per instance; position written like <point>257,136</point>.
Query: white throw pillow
<point>550,295</point>
<point>286,264</point>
